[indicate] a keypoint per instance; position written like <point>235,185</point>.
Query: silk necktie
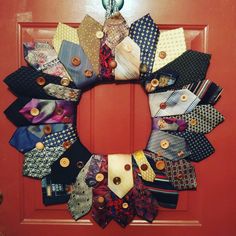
<point>172,102</point>
<point>127,56</point>
<point>91,44</point>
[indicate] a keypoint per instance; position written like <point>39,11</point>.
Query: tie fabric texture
<point>91,43</point>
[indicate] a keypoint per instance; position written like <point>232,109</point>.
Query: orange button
<point>125,205</point>
<point>193,122</point>
<point>149,88</point>
<point>154,82</point>
<point>66,144</point>
<point>47,129</point>
<point>65,81</point>
<point>88,73</point>
<point>100,199</point>
<point>99,177</point>
<point>64,162</point>
<point>75,61</point>
<point>113,64</point>
<point>40,81</point>
<point>162,55</point>
<point>34,111</point>
<point>164,143</point>
<point>39,146</point>
<point>160,165</point>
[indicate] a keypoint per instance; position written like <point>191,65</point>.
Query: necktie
<point>27,82</point>
<point>77,64</point>
<point>170,124</point>
<point>62,92</point>
<point>198,144</point>
<point>91,44</point>
<point>172,102</point>
<point>53,193</point>
<point>145,168</point>
<point>203,119</point>
<point>145,33</point>
<point>120,177</point>
<point>70,163</point>
<point>64,32</point>
<point>181,174</point>
<point>38,161</point>
<point>80,201</point>
<point>42,56</point>
<point>206,90</point>
<point>127,56</point>
<point>171,45</point>
<point>168,145</point>
<point>39,111</point>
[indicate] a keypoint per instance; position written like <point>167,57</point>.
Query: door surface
<point>116,119</point>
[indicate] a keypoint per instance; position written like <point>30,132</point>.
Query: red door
<point>123,125</point>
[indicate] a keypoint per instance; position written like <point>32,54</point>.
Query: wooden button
<point>117,180</point>
<point>162,55</point>
<point>47,129</point>
<point>127,167</point>
<point>66,144</point>
<point>125,205</point>
<point>65,81</point>
<point>88,73</point>
<point>112,64</point>
<point>127,47</point>
<point>160,165</point>
<point>99,177</point>
<point>154,82</point>
<point>184,98</point>
<point>64,162</point>
<point>143,68</point>
<point>193,122</point>
<point>80,164</point>
<point>39,146</point>
<point>164,143</point>
<point>144,167</point>
<point>149,88</point>
<point>40,81</point>
<point>99,34</point>
<point>163,105</point>
<point>75,61</point>
<point>180,153</point>
<point>34,111</point>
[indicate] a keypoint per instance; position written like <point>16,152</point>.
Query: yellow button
<point>65,81</point>
<point>154,82</point>
<point>184,98</point>
<point>160,165</point>
<point>165,143</point>
<point>193,122</point>
<point>64,162</point>
<point>127,47</point>
<point>34,111</point>
<point>39,146</point>
<point>66,144</point>
<point>99,177</point>
<point>162,55</point>
<point>99,34</point>
<point>113,64</point>
<point>100,199</point>
<point>125,205</point>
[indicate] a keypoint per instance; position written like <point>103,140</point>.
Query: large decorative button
<point>125,205</point>
<point>66,144</point>
<point>164,143</point>
<point>64,162</point>
<point>143,68</point>
<point>99,34</point>
<point>75,61</point>
<point>47,129</point>
<point>40,81</point>
<point>34,111</point>
<point>160,165</point>
<point>162,55</point>
<point>193,122</point>
<point>88,73</point>
<point>80,164</point>
<point>144,167</point>
<point>112,64</point>
<point>163,105</point>
<point>117,180</point>
<point>154,82</point>
<point>99,177</point>
<point>39,146</point>
<point>100,199</point>
<point>184,98</point>
<point>65,81</point>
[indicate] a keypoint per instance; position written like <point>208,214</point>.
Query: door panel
<point>116,119</point>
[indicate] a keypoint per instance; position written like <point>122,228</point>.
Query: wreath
<point>115,186</point>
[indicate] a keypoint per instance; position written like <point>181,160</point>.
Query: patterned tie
<point>80,201</point>
<point>203,119</point>
<point>172,102</point>
<point>168,145</point>
<point>120,177</point>
<point>145,168</point>
<point>91,44</point>
<point>64,32</point>
<point>127,56</point>
<point>145,33</point>
<point>171,45</point>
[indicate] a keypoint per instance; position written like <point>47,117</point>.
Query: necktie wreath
<point>117,186</point>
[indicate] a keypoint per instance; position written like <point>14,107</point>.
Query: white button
<point>184,98</point>
<point>99,34</point>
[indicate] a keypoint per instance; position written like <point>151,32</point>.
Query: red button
<point>163,105</point>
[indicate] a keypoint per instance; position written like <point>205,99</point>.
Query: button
<point>149,88</point>
<point>99,177</point>
<point>179,176</point>
<point>40,81</point>
<point>154,82</point>
<point>143,68</point>
<point>39,146</point>
<point>113,64</point>
<point>88,73</point>
<point>117,180</point>
<point>59,111</point>
<point>34,111</point>
<point>100,199</point>
<point>65,81</point>
<point>180,153</point>
<point>75,61</point>
<point>127,167</point>
<point>193,122</point>
<point>163,105</point>
<point>66,144</point>
<point>164,143</point>
<point>162,55</point>
<point>72,94</point>
<point>99,34</point>
<point>80,164</point>
<point>144,167</point>
<point>127,47</point>
<point>184,98</point>
<point>47,129</point>
<point>160,165</point>
<point>64,162</point>
<point>161,123</point>
<point>66,119</point>
<point>125,205</point>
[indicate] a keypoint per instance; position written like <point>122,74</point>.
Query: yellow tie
<point>145,168</point>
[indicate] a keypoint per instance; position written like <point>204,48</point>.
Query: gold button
<point>127,47</point>
<point>184,98</point>
<point>143,68</point>
<point>117,180</point>
<point>34,111</point>
<point>47,129</point>
<point>66,144</point>
<point>80,164</point>
<point>160,165</point>
<point>100,199</point>
<point>99,177</point>
<point>149,88</point>
<point>40,81</point>
<point>162,55</point>
<point>65,81</point>
<point>88,73</point>
<point>165,143</point>
<point>99,34</point>
<point>75,61</point>
<point>39,146</point>
<point>113,64</point>
<point>125,205</point>
<point>193,122</point>
<point>64,162</point>
<point>154,82</point>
